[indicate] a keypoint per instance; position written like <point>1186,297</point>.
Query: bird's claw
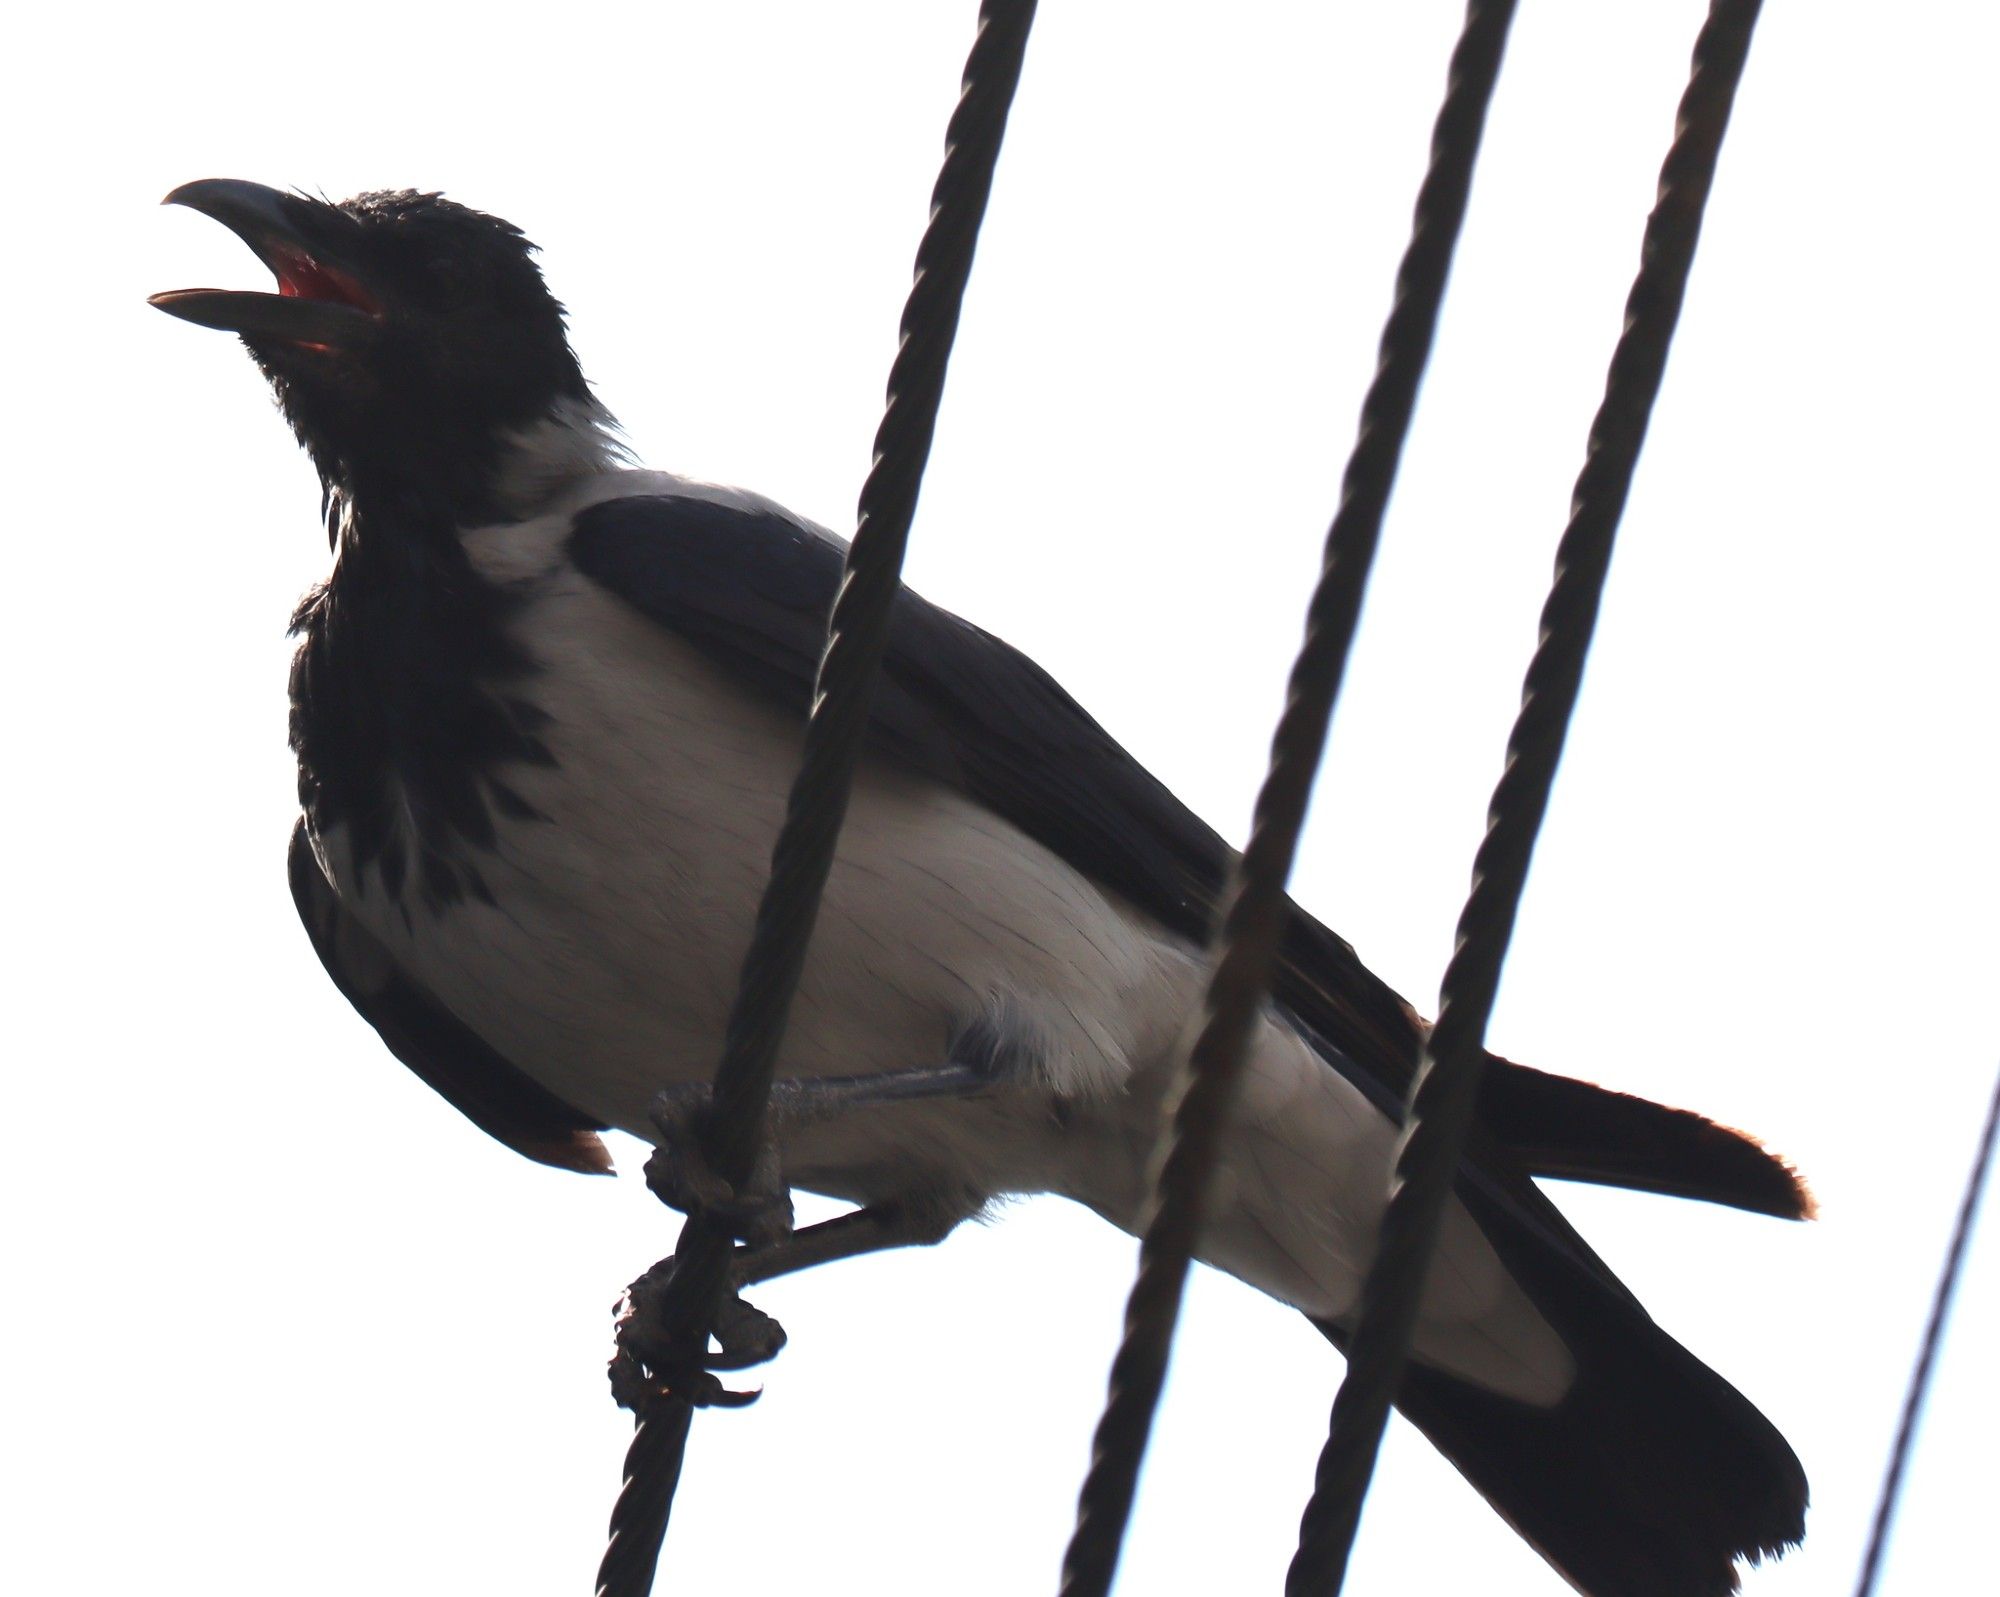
<point>636,1388</point>
<point>680,1174</point>
<point>647,1366</point>
<point>745,1335</point>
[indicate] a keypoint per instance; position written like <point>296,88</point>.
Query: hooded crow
<point>546,709</point>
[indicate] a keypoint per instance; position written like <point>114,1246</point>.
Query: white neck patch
<point>578,439</point>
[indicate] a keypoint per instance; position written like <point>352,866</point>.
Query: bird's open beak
<point>318,304</point>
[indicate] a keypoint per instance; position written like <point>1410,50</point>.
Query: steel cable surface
<point>1447,1081</point>
<point>1255,906</point>
<point>803,855</point>
<point>1920,1376</point>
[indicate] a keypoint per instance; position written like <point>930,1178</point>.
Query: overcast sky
<point>286,1323</point>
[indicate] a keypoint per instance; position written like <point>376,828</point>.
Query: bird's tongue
<point>302,277</point>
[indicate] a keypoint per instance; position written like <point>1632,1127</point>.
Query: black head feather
<point>409,337</point>
<point>410,340</point>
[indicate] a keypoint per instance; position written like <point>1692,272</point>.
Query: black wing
<point>488,1090</point>
<point>750,586</point>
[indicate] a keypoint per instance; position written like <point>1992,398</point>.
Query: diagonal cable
<point>1920,1376</point>
<point>803,856</point>
<point>1255,908</point>
<point>1447,1081</point>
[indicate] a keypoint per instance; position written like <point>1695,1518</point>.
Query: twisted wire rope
<point>1920,1375</point>
<point>857,636</point>
<point>1255,909</point>
<point>1444,1091</point>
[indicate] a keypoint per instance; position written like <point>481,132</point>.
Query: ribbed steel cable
<point>1255,907</point>
<point>1447,1081</point>
<point>1920,1376</point>
<point>803,855</point>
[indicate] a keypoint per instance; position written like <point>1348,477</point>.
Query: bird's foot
<point>682,1176</point>
<point>746,1336</point>
<point>650,1362</point>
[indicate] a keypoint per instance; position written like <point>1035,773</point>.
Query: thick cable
<point>803,855</point>
<point>1920,1376</point>
<point>1255,907</point>
<point>1447,1081</point>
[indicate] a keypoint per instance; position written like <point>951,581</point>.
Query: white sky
<point>287,1323</point>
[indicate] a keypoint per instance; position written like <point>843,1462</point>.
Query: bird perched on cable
<point>546,709</point>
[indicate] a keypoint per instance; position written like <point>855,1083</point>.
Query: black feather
<point>408,706</point>
<point>1653,1476</point>
<point>447,1054</point>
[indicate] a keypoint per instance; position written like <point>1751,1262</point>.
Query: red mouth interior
<point>302,277</point>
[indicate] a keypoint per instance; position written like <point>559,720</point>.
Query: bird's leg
<point>759,1212</point>
<point>681,1176</point>
<point>807,1100</point>
<point>745,1335</point>
<point>756,1212</point>
<point>916,1219</point>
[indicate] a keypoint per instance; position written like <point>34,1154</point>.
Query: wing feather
<point>442,1050</point>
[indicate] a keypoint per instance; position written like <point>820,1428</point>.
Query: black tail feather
<point>1574,1131</point>
<point>1653,1477</point>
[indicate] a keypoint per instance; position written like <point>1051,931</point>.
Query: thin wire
<point>1256,908</point>
<point>803,855</point>
<point>1447,1081</point>
<point>1920,1377</point>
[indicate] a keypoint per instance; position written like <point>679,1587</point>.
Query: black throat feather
<point>408,696</point>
